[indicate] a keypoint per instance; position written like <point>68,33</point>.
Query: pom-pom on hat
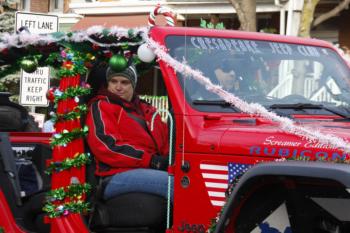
<point>129,73</point>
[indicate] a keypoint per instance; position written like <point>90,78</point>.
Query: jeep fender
<point>279,172</point>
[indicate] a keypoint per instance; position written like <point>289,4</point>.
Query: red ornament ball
<point>50,95</point>
<point>95,47</point>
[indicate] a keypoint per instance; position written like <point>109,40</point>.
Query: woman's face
<point>121,86</point>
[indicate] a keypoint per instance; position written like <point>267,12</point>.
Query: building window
<point>56,5</point>
<point>25,5</point>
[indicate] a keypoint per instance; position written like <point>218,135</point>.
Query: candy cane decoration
<point>168,14</point>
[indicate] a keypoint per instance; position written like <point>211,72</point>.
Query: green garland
<point>62,139</point>
<point>71,92</point>
<point>54,59</point>
<point>74,114</point>
<point>2,230</point>
<point>77,69</point>
<point>71,191</point>
<point>76,205</point>
<point>77,161</point>
<point>80,47</point>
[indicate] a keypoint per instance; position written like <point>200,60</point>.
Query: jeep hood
<point>263,138</point>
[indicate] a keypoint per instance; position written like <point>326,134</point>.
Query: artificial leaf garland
<point>77,161</point>
<point>80,48</point>
<point>73,63</point>
<point>54,210</point>
<point>71,69</point>
<point>71,191</point>
<point>76,113</point>
<point>62,139</point>
<point>74,192</point>
<point>71,92</point>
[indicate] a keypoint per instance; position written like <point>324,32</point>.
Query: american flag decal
<point>217,177</point>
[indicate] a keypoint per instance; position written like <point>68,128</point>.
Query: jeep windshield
<point>284,77</point>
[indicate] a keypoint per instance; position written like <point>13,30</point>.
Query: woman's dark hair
<point>96,78</point>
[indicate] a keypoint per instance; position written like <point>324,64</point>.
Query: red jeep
<point>215,143</point>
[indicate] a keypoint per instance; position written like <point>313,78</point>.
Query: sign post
<point>34,86</point>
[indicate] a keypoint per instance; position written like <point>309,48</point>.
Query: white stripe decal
<point>218,203</point>
<point>215,176</point>
<point>216,194</point>
<point>213,167</point>
<point>216,185</point>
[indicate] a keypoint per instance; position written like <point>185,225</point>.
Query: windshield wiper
<point>221,103</point>
<point>303,106</point>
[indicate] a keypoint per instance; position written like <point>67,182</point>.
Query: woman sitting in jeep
<point>121,140</point>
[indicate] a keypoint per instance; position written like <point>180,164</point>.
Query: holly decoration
<point>118,63</point>
<point>29,65</point>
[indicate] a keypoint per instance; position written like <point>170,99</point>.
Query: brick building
<point>278,16</point>
<point>55,7</point>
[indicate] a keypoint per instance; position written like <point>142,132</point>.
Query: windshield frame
<point>212,108</point>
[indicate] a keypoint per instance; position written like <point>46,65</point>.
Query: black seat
<point>15,117</point>
<point>27,210</point>
<point>133,211</point>
<point>130,212</point>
